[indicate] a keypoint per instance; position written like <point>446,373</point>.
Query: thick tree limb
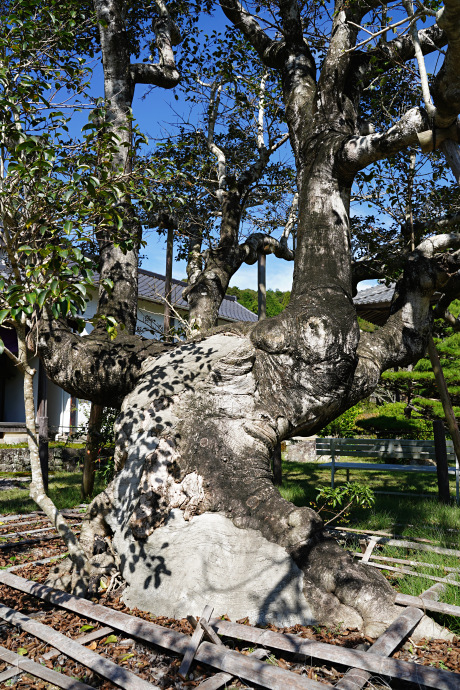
<point>360,152</point>
<point>446,87</point>
<point>401,49</point>
<point>93,367</point>
<point>402,340</point>
<point>157,75</point>
<point>259,242</point>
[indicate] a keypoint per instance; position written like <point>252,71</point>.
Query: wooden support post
<point>168,283</point>
<point>446,404</point>
<point>332,463</point>
<point>441,461</point>
<point>42,423</point>
<point>262,287</point>
<point>92,447</point>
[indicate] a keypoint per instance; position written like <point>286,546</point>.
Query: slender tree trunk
<point>42,418</point>
<point>37,488</point>
<point>443,391</point>
<point>168,283</point>
<point>93,442</point>
<point>441,461</point>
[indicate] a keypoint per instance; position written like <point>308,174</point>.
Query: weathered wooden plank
<point>222,659</point>
<point>245,667</point>
<point>419,547</point>
<point>41,561</point>
<point>368,552</point>
<point>380,467</point>
<point>351,658</point>
<point>211,635</point>
<point>406,571</point>
<point>194,643</point>
<point>105,668</point>
<point>10,673</point>
<point>414,540</point>
<point>427,604</point>
<point>27,542</point>
<point>216,682</point>
<point>355,679</point>
<point>408,561</point>
<point>28,666</point>
<point>253,670</point>
<point>83,639</point>
<point>12,535</point>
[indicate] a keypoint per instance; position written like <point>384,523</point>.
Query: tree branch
<point>401,49</point>
<point>362,151</point>
<point>213,109</point>
<point>164,73</point>
<point>267,49</point>
<point>259,242</point>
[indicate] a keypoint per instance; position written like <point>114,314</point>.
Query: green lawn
<point>409,516</point>
<point>64,490</point>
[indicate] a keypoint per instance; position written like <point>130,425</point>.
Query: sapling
<point>343,498</point>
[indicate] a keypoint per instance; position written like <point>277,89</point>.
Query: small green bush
<point>344,426</point>
<point>390,419</point>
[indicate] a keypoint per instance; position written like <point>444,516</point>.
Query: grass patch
<point>408,516</point>
<point>64,490</point>
<point>52,444</point>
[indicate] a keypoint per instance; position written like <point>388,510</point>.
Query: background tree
<point>232,180</point>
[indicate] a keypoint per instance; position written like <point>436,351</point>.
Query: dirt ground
<point>152,663</point>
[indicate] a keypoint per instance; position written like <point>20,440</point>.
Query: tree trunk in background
<point>441,461</point>
<point>261,286</point>
<point>168,284</point>
<point>444,395</point>
<point>42,420</point>
<point>93,442</point>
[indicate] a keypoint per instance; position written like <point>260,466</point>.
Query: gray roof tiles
<point>377,294</point>
<point>152,288</point>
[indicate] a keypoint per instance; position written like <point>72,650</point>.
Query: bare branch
<point>429,247</point>
<point>431,110</point>
<point>261,114</point>
<point>267,49</point>
<point>292,218</point>
<point>213,110</point>
<point>164,73</point>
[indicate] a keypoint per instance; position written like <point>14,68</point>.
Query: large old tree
<point>192,515</point>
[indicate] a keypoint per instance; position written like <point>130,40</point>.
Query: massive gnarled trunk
<point>193,514</point>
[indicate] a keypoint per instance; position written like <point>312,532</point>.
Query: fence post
<point>442,468</point>
<point>332,462</point>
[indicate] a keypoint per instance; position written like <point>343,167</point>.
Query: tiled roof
<point>373,304</point>
<point>152,288</point>
<point>377,294</point>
